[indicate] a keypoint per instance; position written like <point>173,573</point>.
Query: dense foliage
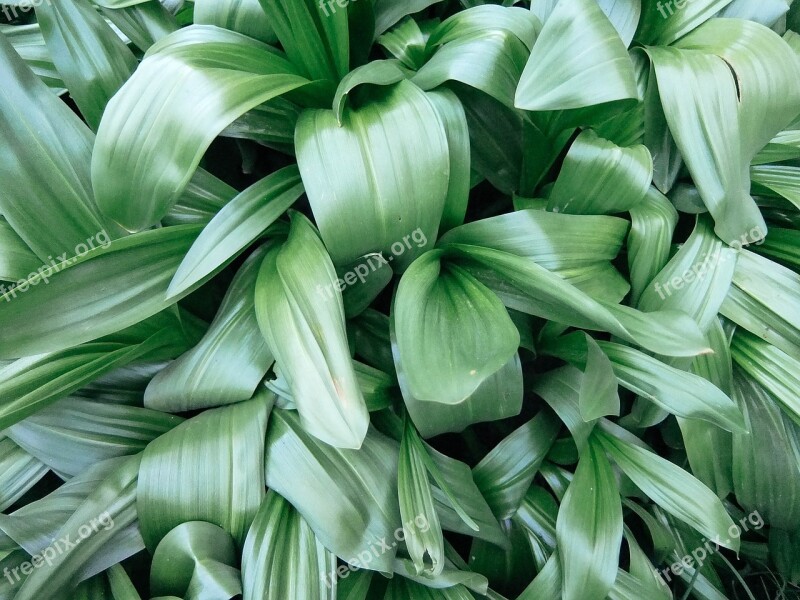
<point>507,307</point>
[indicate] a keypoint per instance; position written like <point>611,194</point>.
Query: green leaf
<point>191,554</point>
<point>482,49</point>
<point>32,383</point>
<point>91,59</point>
<point>73,434</point>
<point>243,16</point>
<point>239,223</point>
<point>498,397</point>
<point>17,261</point>
<point>20,471</point>
<point>669,486</point>
<point>105,522</point>
<point>389,12</point>
<point>663,23</point>
<point>209,468</point>
<point>589,528</point>
<point>300,313</point>
<point>119,285</point>
<point>282,558</point>
<point>696,280</point>
<point>766,472</point>
<point>144,23</point>
<point>452,332</point>
<point>505,474</point>
<point>395,185</point>
<point>348,497</point>
<point>764,300</point>
<point>416,505</point>
<point>553,240</point>
<point>29,44</point>
<point>599,395</point>
<point>653,224</point>
<point>314,36</point>
<point>561,389</point>
<point>230,72</point>
<point>668,333</point>
<point>578,61</point>
<point>599,177</point>
<point>230,361</point>
<point>45,155</point>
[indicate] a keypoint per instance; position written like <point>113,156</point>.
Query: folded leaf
<point>578,61</point>
<point>209,468</point>
<point>395,185</point>
<point>230,72</point>
<point>300,312</point>
<point>282,558</point>
<point>452,332</point>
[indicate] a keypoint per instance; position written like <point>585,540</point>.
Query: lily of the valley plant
<point>399,299</point>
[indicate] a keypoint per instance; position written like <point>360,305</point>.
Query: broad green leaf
<point>482,49</point>
<point>144,23</point>
<point>105,523</point>
<point>672,488</point>
<point>599,396</point>
<point>119,285</point>
<point>773,369</point>
<point>202,199</point>
<point>547,583</point>
<point>456,128</point>
<point>624,16</point>
<point>423,535</point>
<point>395,185</point>
<point>665,332</point>
<point>696,280</point>
<point>589,528</point>
<point>17,261</point>
<point>348,497</point>
<point>406,43</point>
<point>778,179</point>
<point>91,59</point>
<point>20,471</point>
<point>236,225</point>
<point>73,434</point>
<point>578,61</point>
<point>498,397</point>
<point>784,547</point>
<point>664,22</point>
<point>389,12</point>
<point>282,558</point>
<point>120,584</point>
<point>764,300</point>
<point>230,72</point>
<point>230,361</point>
<point>667,159</point>
<point>679,392</point>
<point>45,154</point>
<point>653,224</point>
<point>699,96</point>
<point>306,334</point>
<point>561,389</point>
<point>32,383</point>
<point>553,240</point>
<point>506,473</point>
<point>190,554</point>
<point>314,36</point>
<point>401,588</point>
<point>29,44</point>
<point>209,468</point>
<point>244,16</point>
<point>362,282</point>
<point>599,177</point>
<point>766,473</point>
<point>452,332</point>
